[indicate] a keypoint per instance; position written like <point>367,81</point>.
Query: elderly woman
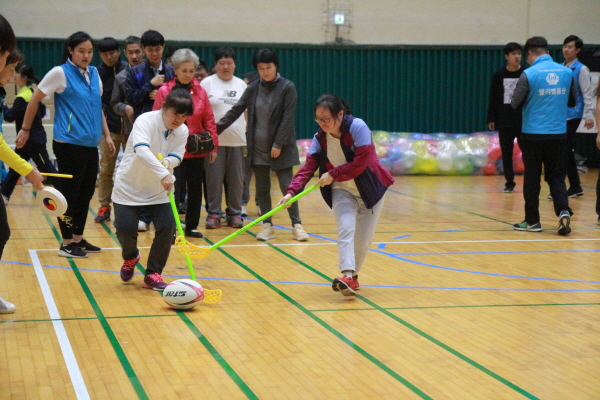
<point>270,135</point>
<point>202,120</point>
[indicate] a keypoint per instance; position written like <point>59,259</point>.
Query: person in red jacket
<point>202,120</point>
<point>353,183</point>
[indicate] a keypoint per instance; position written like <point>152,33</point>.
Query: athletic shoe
<point>154,281</point>
<point>267,233</point>
<point>87,246</point>
<point>71,250</point>
<point>345,284</point>
<point>142,226</point>
<point>194,233</point>
<point>355,277</point>
<point>182,209</point>
<point>213,222</point>
<point>549,197</point>
<point>128,268</point>
<point>224,214</point>
<point>258,210</point>
<point>244,213</point>
<point>575,192</point>
<point>598,221</point>
<point>235,222</point>
<point>6,307</point>
<point>509,188</point>
<point>103,214</point>
<point>524,226</point>
<point>299,234</point>
<point>563,223</point>
<point>6,199</point>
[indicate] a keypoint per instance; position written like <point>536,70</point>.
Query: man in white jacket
<point>143,181</point>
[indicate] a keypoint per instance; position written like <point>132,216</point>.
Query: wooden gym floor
<point>454,304</point>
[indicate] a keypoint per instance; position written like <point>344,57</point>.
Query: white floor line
<point>63,339</point>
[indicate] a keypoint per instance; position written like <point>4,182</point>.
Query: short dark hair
<point>180,100</point>
<point>203,65</point>
<point>15,57</point>
<point>133,40</point>
<point>107,44</point>
<point>576,39</point>
<point>333,103</point>
<point>152,38</point>
<point>536,44</point>
<point>224,52</point>
<point>7,36</point>
<point>265,56</point>
<point>73,41</point>
<point>512,46</point>
<point>169,51</point>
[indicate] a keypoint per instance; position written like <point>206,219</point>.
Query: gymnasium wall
<point>442,22</point>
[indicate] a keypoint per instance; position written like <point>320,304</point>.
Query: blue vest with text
<point>545,110</point>
<point>78,117</point>
<point>577,111</point>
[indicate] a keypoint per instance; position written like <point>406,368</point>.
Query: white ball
<point>183,294</point>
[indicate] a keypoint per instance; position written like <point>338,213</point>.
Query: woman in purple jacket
<point>353,183</point>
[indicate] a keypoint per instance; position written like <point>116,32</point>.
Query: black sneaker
<point>71,250</point>
<point>194,233</point>
<point>87,246</point>
<point>509,188</point>
<point>575,192</point>
<point>563,223</point>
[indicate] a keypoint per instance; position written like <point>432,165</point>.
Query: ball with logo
<point>183,294</point>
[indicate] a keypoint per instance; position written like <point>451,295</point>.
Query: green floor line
<point>413,328</point>
<point>135,381</point>
<point>83,319</point>
<point>475,306</point>
<point>331,329</point>
<point>205,342</point>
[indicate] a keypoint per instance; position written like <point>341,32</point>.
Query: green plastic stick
<point>265,216</point>
<point>179,228</point>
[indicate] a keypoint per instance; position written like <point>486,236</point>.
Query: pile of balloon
<point>438,153</point>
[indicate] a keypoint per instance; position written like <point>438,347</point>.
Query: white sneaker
<point>244,213</point>
<point>299,234</point>
<point>142,226</point>
<point>6,307</point>
<point>268,232</point>
<point>6,199</point>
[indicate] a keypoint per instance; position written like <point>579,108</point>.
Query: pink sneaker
<point>154,281</point>
<point>355,277</point>
<point>128,268</point>
<point>346,285</point>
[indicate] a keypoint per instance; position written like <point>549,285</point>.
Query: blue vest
<point>577,111</point>
<point>78,117</point>
<point>545,110</point>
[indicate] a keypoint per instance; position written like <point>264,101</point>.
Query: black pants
<point>4,228</point>
<point>194,180</point>
<point>262,174</point>
<point>126,223</point>
<point>507,138</point>
<point>39,154</point>
<point>82,163</point>
<point>572,173</point>
<point>551,154</point>
<point>180,189</point>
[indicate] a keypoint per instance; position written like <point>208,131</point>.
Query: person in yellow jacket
<point>7,155</point>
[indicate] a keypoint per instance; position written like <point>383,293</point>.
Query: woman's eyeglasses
<point>323,120</point>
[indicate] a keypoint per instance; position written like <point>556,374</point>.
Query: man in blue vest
<point>584,93</point>
<point>545,89</point>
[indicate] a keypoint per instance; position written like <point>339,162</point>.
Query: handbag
<point>199,144</point>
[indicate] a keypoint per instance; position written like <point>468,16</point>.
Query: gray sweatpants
<point>126,223</point>
<point>227,169</point>
<point>356,228</point>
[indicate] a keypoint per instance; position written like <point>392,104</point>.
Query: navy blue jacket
<point>138,86</point>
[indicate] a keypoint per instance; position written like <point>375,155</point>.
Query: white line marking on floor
<point>63,339</point>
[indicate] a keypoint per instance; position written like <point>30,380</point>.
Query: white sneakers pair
<point>268,232</point>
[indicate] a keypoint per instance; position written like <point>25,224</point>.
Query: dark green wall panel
<point>402,89</point>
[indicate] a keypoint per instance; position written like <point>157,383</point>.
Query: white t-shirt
<point>222,96</point>
<point>336,157</point>
<point>138,177</point>
<point>55,80</point>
